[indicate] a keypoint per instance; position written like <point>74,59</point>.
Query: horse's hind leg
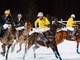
<point>34,48</point>
<point>8,51</point>
<point>3,48</point>
<point>20,47</point>
<point>77,49</point>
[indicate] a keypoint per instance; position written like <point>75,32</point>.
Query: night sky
<point>59,8</point>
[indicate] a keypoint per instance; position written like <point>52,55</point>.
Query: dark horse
<point>44,39</point>
<point>61,35</point>
<point>7,40</point>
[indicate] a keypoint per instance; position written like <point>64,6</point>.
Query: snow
<point>67,50</point>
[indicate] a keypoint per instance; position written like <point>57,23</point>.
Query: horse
<point>64,34</point>
<point>23,37</point>
<point>7,40</point>
<point>44,39</point>
<point>78,40</point>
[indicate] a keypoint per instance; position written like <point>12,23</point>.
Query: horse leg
<point>34,48</point>
<point>20,47</point>
<point>55,50</point>
<point>17,38</point>
<point>13,46</point>
<point>77,49</point>
<point>8,51</point>
<point>4,50</point>
<point>25,51</point>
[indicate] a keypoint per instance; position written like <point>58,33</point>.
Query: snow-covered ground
<point>67,50</point>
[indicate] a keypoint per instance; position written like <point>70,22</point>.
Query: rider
<point>55,24</point>
<point>42,21</point>
<point>70,25</point>
<point>19,23</point>
<point>6,21</point>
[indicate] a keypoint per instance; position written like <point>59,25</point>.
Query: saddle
<point>69,32</point>
<point>58,29</point>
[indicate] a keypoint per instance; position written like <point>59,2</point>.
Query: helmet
<point>7,12</point>
<point>72,15</point>
<point>40,14</point>
<point>19,15</point>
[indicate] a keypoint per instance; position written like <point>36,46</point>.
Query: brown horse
<point>7,40</point>
<point>61,35</point>
<point>78,40</point>
<point>23,37</point>
<point>43,39</point>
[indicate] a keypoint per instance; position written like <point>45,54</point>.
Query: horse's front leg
<point>26,48</point>
<point>77,48</point>
<point>13,46</point>
<point>55,50</point>
<point>20,47</point>
<point>4,49</point>
<point>8,51</point>
<point>17,40</point>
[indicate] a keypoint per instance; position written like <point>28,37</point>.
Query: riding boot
<point>73,35</point>
<point>2,32</point>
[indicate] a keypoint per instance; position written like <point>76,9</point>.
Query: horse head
<point>28,26</point>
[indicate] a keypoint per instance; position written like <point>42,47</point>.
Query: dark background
<point>59,8</point>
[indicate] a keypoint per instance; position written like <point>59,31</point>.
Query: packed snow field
<point>67,50</point>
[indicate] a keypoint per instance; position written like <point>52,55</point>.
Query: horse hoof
<point>59,58</point>
<point>12,49</point>
<point>55,53</point>
<point>6,59</point>
<point>77,51</point>
<point>2,53</point>
<point>34,56</point>
<point>18,51</point>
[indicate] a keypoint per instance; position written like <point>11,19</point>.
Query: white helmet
<point>40,14</point>
<point>19,15</point>
<point>72,15</point>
